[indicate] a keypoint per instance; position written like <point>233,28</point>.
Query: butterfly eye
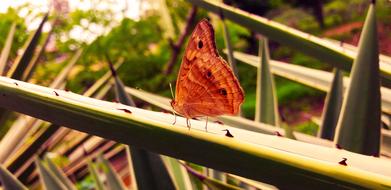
<point>200,44</point>
<point>223,92</point>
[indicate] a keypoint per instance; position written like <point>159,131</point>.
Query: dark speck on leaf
<point>115,100</point>
<point>55,93</point>
<point>219,122</point>
<point>16,83</point>
<point>125,110</point>
<point>343,162</point>
<point>228,134</point>
<point>338,146</point>
<point>278,134</point>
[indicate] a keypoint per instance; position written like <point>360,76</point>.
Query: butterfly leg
<point>188,123</point>
<point>206,124</point>
<point>174,118</point>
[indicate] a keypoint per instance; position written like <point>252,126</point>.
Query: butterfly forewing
<point>206,86</point>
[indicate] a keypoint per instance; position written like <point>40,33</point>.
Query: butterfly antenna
<point>172,94</point>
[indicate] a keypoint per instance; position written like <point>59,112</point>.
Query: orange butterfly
<point>206,85</point>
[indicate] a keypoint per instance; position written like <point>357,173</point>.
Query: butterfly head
<point>173,103</point>
<point>175,107</point>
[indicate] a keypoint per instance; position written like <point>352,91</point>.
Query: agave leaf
<point>48,179</point>
<point>29,70</point>
<point>94,173</point>
<point>36,145</point>
<point>26,152</point>
<point>120,93</point>
<point>24,155</point>
<point>358,128</point>
<point>20,64</point>
<point>149,169</point>
<point>7,48</point>
<point>238,122</point>
<point>266,102</point>
<point>178,173</point>
<point>103,80</point>
<point>217,175</point>
<point>385,61</point>
<point>243,123</point>
<point>210,182</point>
<point>4,116</point>
<point>9,181</point>
<point>332,107</point>
<point>23,124</point>
<point>113,180</point>
<point>133,184</point>
<point>166,20</point>
<point>274,160</point>
<point>14,136</point>
<point>252,183</point>
<point>228,44</point>
<point>312,45</point>
<point>318,79</point>
<point>59,174</point>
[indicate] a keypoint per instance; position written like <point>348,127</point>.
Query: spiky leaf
<point>359,125</point>
<point>266,109</point>
<point>332,107</point>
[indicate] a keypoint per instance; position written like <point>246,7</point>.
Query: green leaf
<point>228,44</point>
<point>312,45</point>
<point>9,182</point>
<point>210,182</point>
<point>19,65</point>
<point>94,173</point>
<point>243,123</point>
<point>252,183</point>
<point>30,69</point>
<point>318,79</point>
<point>7,48</point>
<point>166,20</point>
<point>103,80</point>
<point>274,160</point>
<point>120,93</point>
<point>113,180</point>
<point>332,107</point>
<point>48,179</point>
<point>17,69</point>
<point>178,173</point>
<point>59,174</point>
<point>359,125</point>
<point>23,124</point>
<point>266,109</point>
<point>148,167</point>
<point>28,150</point>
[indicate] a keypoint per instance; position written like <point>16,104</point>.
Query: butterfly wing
<point>206,85</point>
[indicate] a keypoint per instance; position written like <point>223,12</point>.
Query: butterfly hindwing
<point>216,90</point>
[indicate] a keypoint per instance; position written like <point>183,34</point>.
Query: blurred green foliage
<point>6,20</point>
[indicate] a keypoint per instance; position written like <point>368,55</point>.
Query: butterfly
<point>206,85</point>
